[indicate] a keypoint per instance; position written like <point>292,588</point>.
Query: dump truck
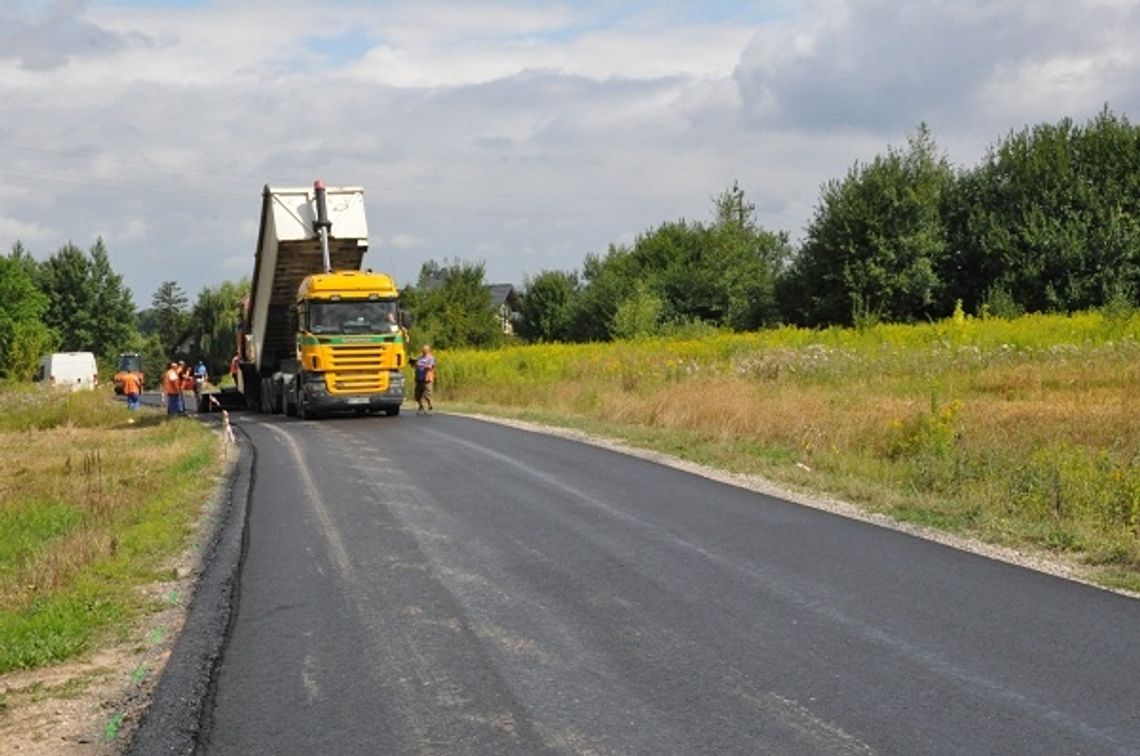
<point>318,333</point>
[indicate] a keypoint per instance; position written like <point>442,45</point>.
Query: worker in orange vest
<point>132,389</point>
<point>172,390</point>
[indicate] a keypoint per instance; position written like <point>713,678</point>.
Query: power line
<point>380,207</point>
<point>121,161</point>
<point>375,189</point>
<point>98,183</point>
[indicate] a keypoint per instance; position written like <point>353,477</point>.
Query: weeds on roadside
<point>90,505</point>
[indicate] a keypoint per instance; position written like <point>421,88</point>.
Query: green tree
<point>65,278</point>
<point>639,314</point>
<point>722,274</point>
<point>452,306</point>
<point>89,307</point>
<point>23,335</point>
<point>607,281</point>
<point>114,314</point>
<point>1051,219</point>
<point>876,241</point>
<point>171,317</point>
<point>215,320</point>
<point>155,359</point>
<point>22,257</point>
<point>548,306</point>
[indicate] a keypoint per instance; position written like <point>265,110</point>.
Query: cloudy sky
<point>523,134</point>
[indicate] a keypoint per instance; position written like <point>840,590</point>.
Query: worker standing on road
<point>172,390</point>
<point>187,380</point>
<point>132,389</point>
<point>425,379</point>
<point>201,375</point>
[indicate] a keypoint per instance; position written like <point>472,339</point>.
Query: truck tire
<point>288,407</point>
<point>392,411</point>
<point>276,400</point>
<point>303,411</point>
<point>249,389</point>
<point>265,393</point>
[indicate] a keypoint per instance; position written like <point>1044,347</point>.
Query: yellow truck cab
<point>349,343</point>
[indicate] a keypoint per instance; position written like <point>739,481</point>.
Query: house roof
<point>504,294</point>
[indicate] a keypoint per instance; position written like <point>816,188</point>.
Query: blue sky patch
<point>342,48</point>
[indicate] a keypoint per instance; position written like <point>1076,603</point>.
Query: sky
<point>524,135</point>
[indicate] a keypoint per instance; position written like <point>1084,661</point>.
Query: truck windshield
<point>368,316</point>
<point>130,363</point>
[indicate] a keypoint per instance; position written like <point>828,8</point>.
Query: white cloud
<point>522,134</point>
<point>133,230</point>
<point>13,229</point>
<point>402,241</point>
<point>52,36</point>
<point>882,66</point>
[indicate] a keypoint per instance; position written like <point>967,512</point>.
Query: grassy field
<point>1020,432</point>
<point>93,502</point>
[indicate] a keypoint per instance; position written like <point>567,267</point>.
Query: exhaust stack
<point>322,225</point>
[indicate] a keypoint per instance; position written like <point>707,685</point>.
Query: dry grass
<point>92,499</point>
<point>97,476</point>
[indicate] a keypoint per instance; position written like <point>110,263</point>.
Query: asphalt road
<point>437,585</point>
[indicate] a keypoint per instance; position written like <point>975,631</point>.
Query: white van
<point>73,370</point>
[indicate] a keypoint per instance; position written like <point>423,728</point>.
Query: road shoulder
<point>94,705</point>
<point>174,718</point>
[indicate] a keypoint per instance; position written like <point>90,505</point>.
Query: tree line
<point>74,301</point>
<point>1047,221</point>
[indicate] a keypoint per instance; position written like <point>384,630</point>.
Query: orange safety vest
<point>131,384</point>
<point>171,383</point>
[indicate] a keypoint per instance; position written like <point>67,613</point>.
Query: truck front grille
<point>357,357</point>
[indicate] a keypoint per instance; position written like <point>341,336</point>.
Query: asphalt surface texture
<point>441,585</point>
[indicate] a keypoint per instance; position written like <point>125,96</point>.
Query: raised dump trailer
<point>317,333</point>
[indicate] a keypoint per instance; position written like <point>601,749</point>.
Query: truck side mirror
<point>406,319</point>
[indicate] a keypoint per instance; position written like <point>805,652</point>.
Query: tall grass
<point>1021,431</point>
<point>93,501</point>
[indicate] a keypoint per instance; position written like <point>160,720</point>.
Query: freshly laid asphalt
<point>439,585</point>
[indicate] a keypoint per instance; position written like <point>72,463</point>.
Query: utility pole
<point>743,212</point>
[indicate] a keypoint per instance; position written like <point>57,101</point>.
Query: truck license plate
<point>358,400</point>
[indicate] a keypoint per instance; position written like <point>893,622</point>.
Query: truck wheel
<point>288,407</point>
<point>266,396</point>
<point>250,389</point>
<point>303,412</point>
<point>392,411</point>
